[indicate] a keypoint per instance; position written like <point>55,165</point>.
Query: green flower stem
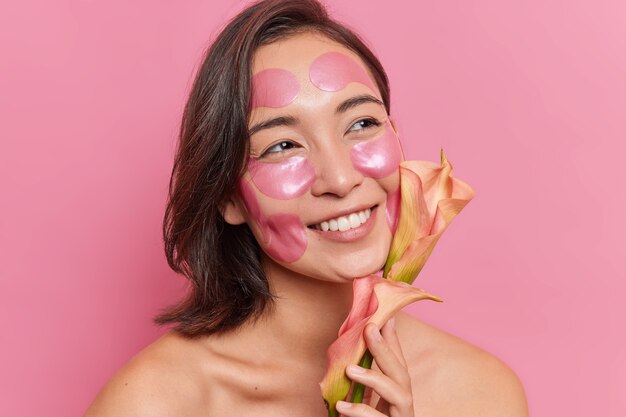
<point>359,389</point>
<point>366,362</point>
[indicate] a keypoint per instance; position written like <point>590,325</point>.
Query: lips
<point>346,222</point>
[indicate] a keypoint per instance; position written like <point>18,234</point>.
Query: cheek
<point>285,180</point>
<point>378,158</point>
<point>283,235</point>
<point>288,240</point>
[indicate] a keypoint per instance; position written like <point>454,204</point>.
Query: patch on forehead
<point>274,87</point>
<point>333,71</point>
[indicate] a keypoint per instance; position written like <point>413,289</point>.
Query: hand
<point>392,382</point>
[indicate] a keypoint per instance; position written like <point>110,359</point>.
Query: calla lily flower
<point>376,300</point>
<point>430,199</point>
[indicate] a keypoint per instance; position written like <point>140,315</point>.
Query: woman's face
<point>321,189</point>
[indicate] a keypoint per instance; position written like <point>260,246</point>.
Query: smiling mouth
<point>346,222</point>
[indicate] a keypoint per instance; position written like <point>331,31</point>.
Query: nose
<point>335,173</point>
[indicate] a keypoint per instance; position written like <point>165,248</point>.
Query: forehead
<point>297,52</point>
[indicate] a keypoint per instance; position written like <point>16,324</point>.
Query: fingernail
<point>343,405</point>
<point>356,369</point>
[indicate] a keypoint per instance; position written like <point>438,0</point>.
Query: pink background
<point>527,98</point>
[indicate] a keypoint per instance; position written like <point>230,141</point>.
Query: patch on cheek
<point>289,241</point>
<point>274,87</point>
<point>393,208</point>
<point>380,157</point>
<point>333,71</point>
<point>284,180</point>
<point>284,235</point>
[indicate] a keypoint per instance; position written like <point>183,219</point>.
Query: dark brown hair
<point>222,261</point>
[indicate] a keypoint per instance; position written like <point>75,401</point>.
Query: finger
<point>389,334</point>
<point>357,410</point>
<point>385,358</point>
<point>389,390</point>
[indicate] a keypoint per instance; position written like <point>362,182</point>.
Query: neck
<point>305,318</point>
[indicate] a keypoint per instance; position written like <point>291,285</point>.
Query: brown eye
<point>279,147</point>
<point>364,124</point>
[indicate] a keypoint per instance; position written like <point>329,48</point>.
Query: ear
<point>232,210</point>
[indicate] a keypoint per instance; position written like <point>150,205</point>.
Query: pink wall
<point>527,98</point>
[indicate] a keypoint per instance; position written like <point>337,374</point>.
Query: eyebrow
<point>291,121</point>
<point>275,122</point>
<point>357,101</point>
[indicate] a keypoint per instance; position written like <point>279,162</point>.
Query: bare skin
<point>204,377</point>
<point>272,366</point>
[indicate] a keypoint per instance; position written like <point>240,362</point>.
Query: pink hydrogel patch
<point>333,71</point>
<point>274,87</point>
<point>288,242</point>
<point>379,157</point>
<point>284,235</point>
<point>393,208</point>
<point>283,180</point>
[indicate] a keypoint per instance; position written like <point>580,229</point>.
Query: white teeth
<point>344,223</point>
<point>355,220</point>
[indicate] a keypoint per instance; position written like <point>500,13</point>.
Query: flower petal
<point>430,199</point>
<point>389,298</point>
<point>413,221</point>
<point>362,303</point>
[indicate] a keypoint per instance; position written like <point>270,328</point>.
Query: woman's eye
<point>364,124</point>
<point>279,147</point>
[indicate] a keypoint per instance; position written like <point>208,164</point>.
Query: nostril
<point>336,174</point>
<point>335,183</point>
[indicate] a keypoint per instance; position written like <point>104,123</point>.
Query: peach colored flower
<point>430,199</point>
<point>376,300</point>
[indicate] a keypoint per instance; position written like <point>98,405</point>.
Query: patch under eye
<point>378,158</point>
<point>283,180</point>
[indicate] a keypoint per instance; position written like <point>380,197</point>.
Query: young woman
<point>271,216</point>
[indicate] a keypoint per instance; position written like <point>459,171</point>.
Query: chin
<point>342,267</point>
<point>358,265</point>
<point>361,269</point>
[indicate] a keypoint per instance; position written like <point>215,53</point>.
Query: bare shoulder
<point>154,383</point>
<point>452,377</point>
